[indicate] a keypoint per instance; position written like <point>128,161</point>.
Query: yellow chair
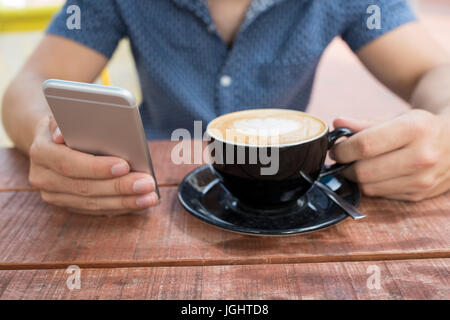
<point>33,19</point>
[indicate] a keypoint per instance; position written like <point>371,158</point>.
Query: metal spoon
<point>347,207</point>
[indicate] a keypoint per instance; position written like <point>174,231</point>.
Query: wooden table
<point>168,254</point>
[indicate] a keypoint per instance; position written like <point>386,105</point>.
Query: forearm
<point>55,57</point>
<point>23,107</point>
<point>432,92</point>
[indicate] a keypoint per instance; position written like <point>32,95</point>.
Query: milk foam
<point>265,127</point>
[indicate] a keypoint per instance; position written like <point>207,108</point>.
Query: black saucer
<point>202,194</point>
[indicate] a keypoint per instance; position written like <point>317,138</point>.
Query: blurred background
<point>22,25</point>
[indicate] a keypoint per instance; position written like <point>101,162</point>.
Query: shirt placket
<point>231,72</point>
<point>227,80</point>
<point>200,9</point>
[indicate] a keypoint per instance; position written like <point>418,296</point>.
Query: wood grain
<point>34,234</point>
<point>411,279</point>
<point>170,172</point>
<point>13,170</point>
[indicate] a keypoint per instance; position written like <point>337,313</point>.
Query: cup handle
<point>332,138</point>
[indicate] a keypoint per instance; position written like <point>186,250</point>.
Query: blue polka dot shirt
<point>187,72</point>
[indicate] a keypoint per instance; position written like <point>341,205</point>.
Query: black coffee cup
<point>245,179</point>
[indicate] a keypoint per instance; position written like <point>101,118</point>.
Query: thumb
<point>57,136</point>
<point>353,124</point>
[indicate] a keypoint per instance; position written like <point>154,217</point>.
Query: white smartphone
<point>100,120</point>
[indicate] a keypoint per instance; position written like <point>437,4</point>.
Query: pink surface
<point>341,78</point>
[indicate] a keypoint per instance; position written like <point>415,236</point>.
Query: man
<point>198,59</point>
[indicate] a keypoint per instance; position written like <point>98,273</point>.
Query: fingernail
<point>146,201</point>
<point>143,186</point>
<point>56,134</point>
<point>119,169</point>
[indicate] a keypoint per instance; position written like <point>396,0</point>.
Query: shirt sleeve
<point>100,25</point>
<point>363,26</point>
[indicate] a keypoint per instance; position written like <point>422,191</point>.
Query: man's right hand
<point>82,182</point>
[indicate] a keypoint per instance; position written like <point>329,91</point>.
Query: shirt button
<point>225,81</point>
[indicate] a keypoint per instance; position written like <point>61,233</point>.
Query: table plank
<point>167,172</point>
<point>14,170</point>
<point>409,279</point>
<point>33,233</point>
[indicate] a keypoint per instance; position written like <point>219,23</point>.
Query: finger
<point>411,197</point>
<point>387,166</point>
<point>57,136</point>
<point>376,140</point>
<point>402,197</point>
<point>411,184</point>
<point>100,204</point>
<point>132,183</point>
<point>76,164</point>
<point>101,212</point>
<point>415,197</point>
<point>52,124</point>
<point>441,185</point>
<point>355,125</point>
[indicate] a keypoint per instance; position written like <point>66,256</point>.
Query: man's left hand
<point>405,158</point>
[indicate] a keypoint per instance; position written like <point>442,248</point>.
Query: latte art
<point>265,126</point>
<point>261,127</point>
